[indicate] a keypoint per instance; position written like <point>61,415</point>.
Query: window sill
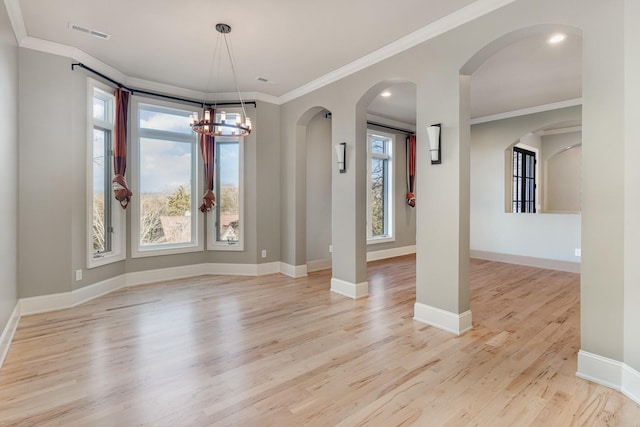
<point>230,247</point>
<point>166,250</point>
<point>106,259</point>
<point>377,240</point>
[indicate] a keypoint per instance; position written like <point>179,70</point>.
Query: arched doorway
<point>520,86</point>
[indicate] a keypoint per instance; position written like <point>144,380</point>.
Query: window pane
<point>99,194</point>
<point>99,109</point>
<point>230,118</point>
<point>153,118</point>
<point>378,167</point>
<point>228,189</point>
<point>524,183</point>
<point>165,192</point>
<point>377,145</point>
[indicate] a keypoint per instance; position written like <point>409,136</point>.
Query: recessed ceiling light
<point>557,38</point>
<point>386,94</point>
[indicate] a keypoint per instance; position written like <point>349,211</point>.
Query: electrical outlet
<point>78,275</point>
<point>578,252</point>
<point>264,253</point>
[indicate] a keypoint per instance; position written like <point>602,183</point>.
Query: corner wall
<point>632,195</point>
<point>8,171</point>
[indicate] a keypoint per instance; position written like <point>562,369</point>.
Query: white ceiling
<point>292,43</point>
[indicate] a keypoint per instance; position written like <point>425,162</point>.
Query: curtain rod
<point>410,132</point>
<point>159,95</point>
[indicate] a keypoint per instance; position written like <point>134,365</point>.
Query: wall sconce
<point>433,132</point>
<point>341,151</point>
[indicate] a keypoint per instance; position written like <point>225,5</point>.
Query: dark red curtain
<point>411,169</point>
<point>120,189</point>
<point>207,149</point>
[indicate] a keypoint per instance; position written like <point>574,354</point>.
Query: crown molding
<point>15,16</point>
<point>526,111</point>
<point>441,26</point>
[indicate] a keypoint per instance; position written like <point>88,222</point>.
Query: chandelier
<point>215,123</point>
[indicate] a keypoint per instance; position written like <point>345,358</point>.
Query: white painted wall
<point>8,168</point>
<point>548,236</point>
<point>561,159</point>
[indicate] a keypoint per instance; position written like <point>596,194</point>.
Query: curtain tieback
<point>121,190</point>
<point>208,201</point>
<point>411,199</point>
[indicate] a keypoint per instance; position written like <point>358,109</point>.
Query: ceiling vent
<point>94,33</point>
<point>264,80</point>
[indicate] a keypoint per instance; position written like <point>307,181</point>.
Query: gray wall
<point>47,189</point>
<point>8,168</point>
<point>318,165</point>
<point>267,214</point>
<point>550,236</point>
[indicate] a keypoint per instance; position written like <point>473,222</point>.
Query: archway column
<point>442,229</point>
<point>348,209</point>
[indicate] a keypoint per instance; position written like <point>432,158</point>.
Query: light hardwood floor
<point>274,351</point>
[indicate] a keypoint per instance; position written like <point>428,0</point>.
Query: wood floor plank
<point>271,350</point>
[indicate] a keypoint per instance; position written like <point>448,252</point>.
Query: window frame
<point>523,174</point>
<point>389,182</point>
<point>115,215</point>
<point>213,244</point>
<point>196,243</point>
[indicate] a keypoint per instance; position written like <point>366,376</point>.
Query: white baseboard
<point>136,278</point>
<point>318,265</point>
<point>609,373</point>
<point>63,300</point>
<point>268,268</point>
<point>46,303</point>
<point>294,271</point>
<point>351,290</point>
<point>631,383</point>
<point>96,290</point>
<point>390,253</point>
<point>451,322</point>
<point>325,264</point>
<point>549,264</point>
<point>8,332</point>
<point>598,369</point>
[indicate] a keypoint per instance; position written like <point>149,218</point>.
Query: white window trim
<point>118,247</point>
<point>212,244</point>
<point>196,245</point>
<point>391,206</point>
